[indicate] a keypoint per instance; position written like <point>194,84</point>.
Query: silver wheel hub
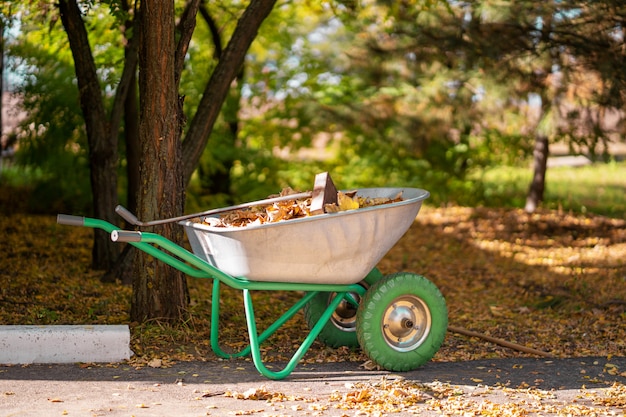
<point>344,316</point>
<point>406,323</point>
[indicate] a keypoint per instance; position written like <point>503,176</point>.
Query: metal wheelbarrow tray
<point>334,248</point>
<point>399,320</point>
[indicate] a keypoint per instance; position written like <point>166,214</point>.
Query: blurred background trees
<point>435,93</point>
<point>413,92</point>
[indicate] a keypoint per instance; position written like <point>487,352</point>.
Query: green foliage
<point>391,120</point>
<point>420,93</point>
<point>52,137</point>
<point>118,9</point>
<point>419,103</point>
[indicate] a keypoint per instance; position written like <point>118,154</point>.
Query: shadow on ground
<point>546,374</point>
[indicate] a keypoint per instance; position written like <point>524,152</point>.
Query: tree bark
<point>540,166</point>
<point>159,291</point>
<point>102,144</point>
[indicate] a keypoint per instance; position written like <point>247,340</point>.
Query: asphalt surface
<point>227,388</point>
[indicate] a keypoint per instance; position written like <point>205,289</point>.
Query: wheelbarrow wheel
<point>401,321</point>
<point>341,328</point>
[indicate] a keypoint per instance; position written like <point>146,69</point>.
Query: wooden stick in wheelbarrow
<point>324,192</point>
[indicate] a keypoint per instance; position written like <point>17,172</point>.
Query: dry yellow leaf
<point>346,203</point>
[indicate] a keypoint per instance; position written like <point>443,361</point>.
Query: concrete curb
<point>64,344</point>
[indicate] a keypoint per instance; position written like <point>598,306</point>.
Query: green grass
<point>598,188</point>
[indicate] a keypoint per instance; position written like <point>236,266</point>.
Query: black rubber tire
<point>341,328</point>
<point>402,321</point>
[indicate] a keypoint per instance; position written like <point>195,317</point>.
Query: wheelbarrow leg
<point>215,328</point>
<point>215,311</point>
<point>255,339</point>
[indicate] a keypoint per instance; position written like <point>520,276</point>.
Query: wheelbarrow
<point>398,320</point>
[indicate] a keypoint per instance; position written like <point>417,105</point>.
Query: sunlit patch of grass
<point>597,188</point>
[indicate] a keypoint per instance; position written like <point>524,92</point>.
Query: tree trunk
<point>159,291</point>
<point>540,166</point>
<point>219,84</point>
<point>2,23</point>
<point>102,144</point>
<point>131,115</point>
<point>133,148</point>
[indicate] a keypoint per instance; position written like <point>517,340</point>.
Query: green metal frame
<point>180,258</point>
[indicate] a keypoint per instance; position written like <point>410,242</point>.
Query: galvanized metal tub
<point>332,248</point>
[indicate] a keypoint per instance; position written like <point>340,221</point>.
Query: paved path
<point>331,389</point>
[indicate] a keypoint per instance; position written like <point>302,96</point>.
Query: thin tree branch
<point>215,33</point>
<point>128,72</point>
<point>185,27</point>
<point>88,84</point>
<point>500,342</point>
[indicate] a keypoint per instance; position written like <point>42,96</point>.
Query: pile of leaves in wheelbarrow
<point>294,209</point>
<point>552,281</point>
